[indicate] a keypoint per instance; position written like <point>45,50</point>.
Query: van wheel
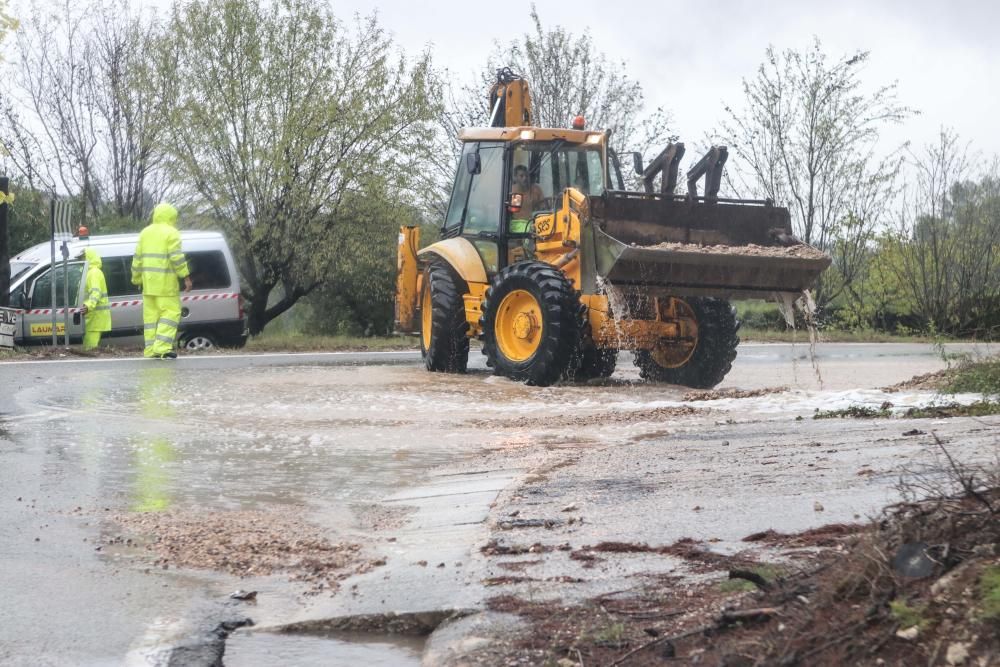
<point>198,341</point>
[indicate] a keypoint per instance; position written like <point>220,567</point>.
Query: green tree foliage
<point>28,219</point>
<point>291,129</point>
<point>806,138</point>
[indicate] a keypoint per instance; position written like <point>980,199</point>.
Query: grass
<point>977,409</point>
<point>989,593</point>
<point>752,335</point>
<point>313,343</point>
<point>981,377</point>
<point>855,412</point>
<point>940,411</point>
<point>907,616</point>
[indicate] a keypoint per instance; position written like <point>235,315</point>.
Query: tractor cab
<point>510,182</point>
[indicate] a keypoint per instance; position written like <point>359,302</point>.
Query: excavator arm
<point>510,100</point>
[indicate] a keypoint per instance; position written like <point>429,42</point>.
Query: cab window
<point>460,190</point>
<point>41,293</point>
<point>482,213</point>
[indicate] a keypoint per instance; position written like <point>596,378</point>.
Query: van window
<point>118,276</point>
<point>208,270</point>
<point>41,295</point>
<point>18,268</point>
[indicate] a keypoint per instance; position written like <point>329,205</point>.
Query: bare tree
<point>568,76</point>
<point>946,240</point>
<point>81,121</point>
<point>807,137</point>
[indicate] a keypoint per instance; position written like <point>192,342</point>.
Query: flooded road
<point>411,470</point>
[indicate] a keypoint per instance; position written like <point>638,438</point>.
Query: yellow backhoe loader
<point>549,260</point>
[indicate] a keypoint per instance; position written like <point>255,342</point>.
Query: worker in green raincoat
<point>157,266</point>
<point>96,310</point>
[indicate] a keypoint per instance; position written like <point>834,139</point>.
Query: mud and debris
<point>244,543</point>
<point>847,604</point>
<point>933,381</point>
<point>380,518</point>
<point>594,419</point>
<point>731,392</point>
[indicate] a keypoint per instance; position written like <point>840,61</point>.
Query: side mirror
<point>637,163</point>
<point>20,300</point>
<point>472,163</point>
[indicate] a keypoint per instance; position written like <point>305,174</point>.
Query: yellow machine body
<point>639,270</point>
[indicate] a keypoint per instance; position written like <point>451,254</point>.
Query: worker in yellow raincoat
<point>96,310</point>
<point>157,266</point>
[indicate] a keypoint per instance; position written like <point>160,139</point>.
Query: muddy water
<point>261,649</point>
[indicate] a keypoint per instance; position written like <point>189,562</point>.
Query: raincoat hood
<point>165,214</point>
<point>93,259</point>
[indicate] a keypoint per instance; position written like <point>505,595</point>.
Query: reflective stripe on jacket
<point>158,262</point>
<point>95,295</point>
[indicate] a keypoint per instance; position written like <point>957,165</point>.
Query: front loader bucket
<point>722,248</point>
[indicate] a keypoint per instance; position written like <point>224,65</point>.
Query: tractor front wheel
<point>530,323</point>
<point>714,349</point>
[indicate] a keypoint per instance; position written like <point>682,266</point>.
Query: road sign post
<point>61,226</point>
<point>8,326</point>
<point>5,199</point>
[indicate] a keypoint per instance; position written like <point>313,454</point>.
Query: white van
<point>211,313</point>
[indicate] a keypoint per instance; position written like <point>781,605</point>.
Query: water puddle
<point>266,649</point>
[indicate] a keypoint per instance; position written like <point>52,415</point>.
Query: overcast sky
<point>691,57</point>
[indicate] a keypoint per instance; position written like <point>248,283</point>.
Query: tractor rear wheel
<point>530,323</point>
<point>713,354</point>
<point>596,362</point>
<point>443,340</point>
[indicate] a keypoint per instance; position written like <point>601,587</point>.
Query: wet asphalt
<point>332,434</point>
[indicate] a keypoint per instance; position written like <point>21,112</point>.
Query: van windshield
<point>18,268</point>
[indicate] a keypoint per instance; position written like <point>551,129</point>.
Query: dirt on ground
<point>920,585</point>
<point>242,543</point>
<point>751,249</point>
<point>597,419</point>
<point>926,382</point>
<point>47,352</point>
<point>715,394</point>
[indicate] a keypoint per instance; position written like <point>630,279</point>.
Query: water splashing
<point>619,307</point>
<point>788,303</point>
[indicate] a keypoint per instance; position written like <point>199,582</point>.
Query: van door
<point>210,313</point>
<point>125,299</point>
<point>36,326</point>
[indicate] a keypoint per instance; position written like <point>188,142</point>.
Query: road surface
<point>415,468</point>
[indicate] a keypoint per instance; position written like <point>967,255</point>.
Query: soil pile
<point>926,382</point>
<point>749,250</point>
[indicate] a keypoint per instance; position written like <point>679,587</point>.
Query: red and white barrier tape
<point>132,302</point>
